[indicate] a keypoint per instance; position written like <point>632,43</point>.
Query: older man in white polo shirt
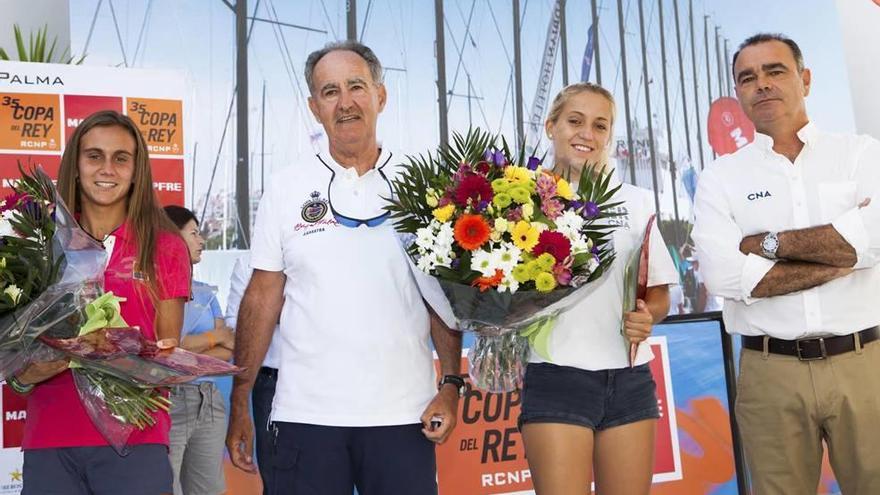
<point>788,233</point>
<point>357,401</point>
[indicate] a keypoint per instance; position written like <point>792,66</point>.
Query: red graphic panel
<point>485,452</point>
<point>168,180</point>
<point>14,407</point>
<point>729,128</point>
<point>9,174</point>
<point>78,107</point>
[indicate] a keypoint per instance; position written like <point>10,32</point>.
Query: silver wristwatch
<point>769,245</point>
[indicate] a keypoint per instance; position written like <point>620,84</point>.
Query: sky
<point>196,38</point>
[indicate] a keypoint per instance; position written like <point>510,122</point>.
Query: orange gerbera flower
<point>472,231</point>
<point>486,283</point>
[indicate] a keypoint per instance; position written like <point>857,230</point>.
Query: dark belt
<point>269,372</point>
<point>812,348</point>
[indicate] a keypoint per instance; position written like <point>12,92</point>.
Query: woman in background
<point>198,412</point>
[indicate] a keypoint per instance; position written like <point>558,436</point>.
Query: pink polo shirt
<point>55,416</point>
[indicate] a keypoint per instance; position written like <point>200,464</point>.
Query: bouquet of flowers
<point>52,305</point>
<point>511,245</point>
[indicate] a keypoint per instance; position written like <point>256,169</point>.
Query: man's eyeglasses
<point>354,222</point>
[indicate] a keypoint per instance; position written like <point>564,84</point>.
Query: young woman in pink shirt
<point>105,179</point>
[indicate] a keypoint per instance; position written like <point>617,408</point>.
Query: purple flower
<point>482,205</point>
<point>534,163</point>
<point>591,210</point>
<point>495,157</point>
<point>455,263</point>
<point>595,250</point>
<point>576,206</point>
<point>514,214</point>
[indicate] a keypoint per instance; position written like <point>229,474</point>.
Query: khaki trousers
<point>786,408</point>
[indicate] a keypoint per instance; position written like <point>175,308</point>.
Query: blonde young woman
<point>106,181</point>
<point>586,415</point>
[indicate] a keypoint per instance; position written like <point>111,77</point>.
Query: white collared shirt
<point>757,190</point>
<point>354,329</point>
<point>241,276</point>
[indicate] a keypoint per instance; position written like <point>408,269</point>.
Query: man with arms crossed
<point>788,233</point>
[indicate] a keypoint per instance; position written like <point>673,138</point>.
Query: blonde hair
<point>575,89</point>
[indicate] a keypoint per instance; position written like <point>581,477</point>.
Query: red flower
<point>12,201</point>
<point>483,168</point>
<point>474,188</point>
<point>554,243</point>
<point>486,283</point>
<point>471,231</point>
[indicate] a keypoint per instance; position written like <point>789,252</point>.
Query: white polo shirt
<point>354,329</point>
<point>757,190</point>
<point>238,282</point>
<point>588,335</point>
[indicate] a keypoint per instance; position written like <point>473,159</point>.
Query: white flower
<point>486,262</point>
<point>569,224</point>
<point>14,293</point>
<point>508,257</point>
<point>6,226</point>
<point>508,284</point>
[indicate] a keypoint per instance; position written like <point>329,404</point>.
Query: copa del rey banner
<point>41,105</point>
<point>485,453</point>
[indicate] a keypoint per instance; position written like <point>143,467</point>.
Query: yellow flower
<point>14,293</point>
<point>502,200</point>
<point>3,262</point>
<point>546,262</point>
<point>444,213</point>
<point>521,273</point>
<point>534,269</point>
<point>520,194</point>
<point>545,282</point>
<point>500,185</point>
<point>563,189</point>
<point>528,210</point>
<point>525,236</point>
<point>517,175</point>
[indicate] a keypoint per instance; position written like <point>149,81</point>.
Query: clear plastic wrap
<point>499,320</point>
<point>55,271</point>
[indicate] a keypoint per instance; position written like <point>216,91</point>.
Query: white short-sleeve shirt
<point>354,330</point>
<point>588,335</point>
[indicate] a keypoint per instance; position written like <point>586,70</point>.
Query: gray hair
<point>348,45</point>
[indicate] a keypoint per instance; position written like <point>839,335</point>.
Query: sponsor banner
<point>30,122</point>
<point>41,105</point>
<point>728,126</point>
<point>78,107</point>
<point>9,168</point>
<point>485,453</point>
<point>161,123</point>
<point>14,407</point>
<point>168,180</point>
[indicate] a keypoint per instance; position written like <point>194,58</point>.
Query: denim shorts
<point>597,400</point>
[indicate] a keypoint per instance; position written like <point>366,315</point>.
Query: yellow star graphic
<point>15,475</point>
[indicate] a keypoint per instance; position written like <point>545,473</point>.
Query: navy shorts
<point>332,460</point>
<point>595,399</point>
<point>146,470</point>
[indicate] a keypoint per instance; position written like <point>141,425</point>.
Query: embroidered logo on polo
<point>315,208</point>
<point>619,216</point>
<point>759,195</point>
